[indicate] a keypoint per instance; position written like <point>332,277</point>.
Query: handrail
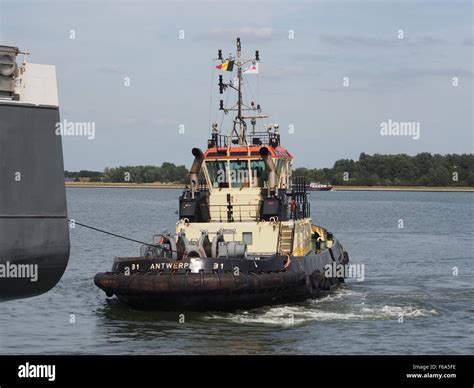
<point>256,139</point>
<point>237,211</point>
<point>279,237</point>
<point>292,238</point>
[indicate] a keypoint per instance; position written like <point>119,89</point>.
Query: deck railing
<point>256,139</point>
<point>235,213</point>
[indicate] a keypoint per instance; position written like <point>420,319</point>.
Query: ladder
<point>286,239</point>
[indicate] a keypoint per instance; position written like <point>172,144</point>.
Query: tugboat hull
<point>224,292</point>
<point>193,284</point>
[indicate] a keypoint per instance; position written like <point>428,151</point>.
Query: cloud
<point>143,121</point>
<point>421,41</point>
<point>243,32</point>
<point>385,81</point>
<point>468,41</point>
<point>410,73</point>
<point>369,41</point>
<point>109,68</point>
<point>284,71</point>
<point>406,77</point>
<point>349,40</point>
<point>373,88</point>
<point>312,56</point>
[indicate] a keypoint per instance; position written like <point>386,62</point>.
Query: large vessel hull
<point>33,211</point>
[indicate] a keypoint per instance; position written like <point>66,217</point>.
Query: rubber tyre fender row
<point>319,281</point>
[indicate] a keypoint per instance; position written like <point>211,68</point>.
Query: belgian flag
<point>226,66</point>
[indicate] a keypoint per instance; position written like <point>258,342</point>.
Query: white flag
<point>253,69</point>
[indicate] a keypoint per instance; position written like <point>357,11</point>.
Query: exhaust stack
<point>195,168</point>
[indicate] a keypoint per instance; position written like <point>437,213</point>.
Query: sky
<point>331,73</point>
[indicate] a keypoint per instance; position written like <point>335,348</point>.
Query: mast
<point>242,137</point>
<point>239,133</point>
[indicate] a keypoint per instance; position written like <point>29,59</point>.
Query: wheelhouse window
<point>281,170</point>
<point>218,173</point>
<point>236,173</point>
<point>258,173</point>
<point>280,163</point>
<point>239,173</point>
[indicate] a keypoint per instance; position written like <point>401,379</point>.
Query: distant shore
<point>120,185</point>
<point>404,188</point>
<point>158,185</point>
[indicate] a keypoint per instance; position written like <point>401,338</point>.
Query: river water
<point>417,296</point>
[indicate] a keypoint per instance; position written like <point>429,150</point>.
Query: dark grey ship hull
<point>33,211</point>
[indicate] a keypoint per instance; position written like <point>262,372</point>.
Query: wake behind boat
<point>245,237</point>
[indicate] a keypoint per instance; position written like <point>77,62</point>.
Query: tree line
<point>166,173</point>
<point>423,169</point>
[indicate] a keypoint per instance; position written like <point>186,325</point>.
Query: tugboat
<point>244,238</point>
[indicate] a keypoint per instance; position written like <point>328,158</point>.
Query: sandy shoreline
<point>336,188</point>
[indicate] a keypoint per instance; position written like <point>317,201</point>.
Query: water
<point>409,302</point>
